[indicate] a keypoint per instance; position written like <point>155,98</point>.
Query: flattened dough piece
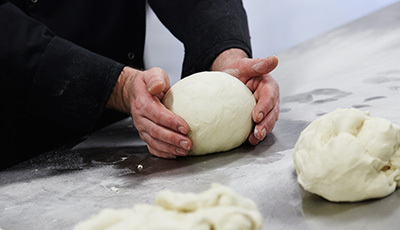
<point>218,208</point>
<point>347,155</point>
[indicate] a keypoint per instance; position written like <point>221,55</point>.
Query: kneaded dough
<point>217,108</point>
<point>347,155</point>
<point>218,208</point>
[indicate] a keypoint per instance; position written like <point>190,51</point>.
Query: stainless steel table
<point>357,65</point>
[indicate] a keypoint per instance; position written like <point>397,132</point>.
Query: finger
<point>253,140</point>
<point>165,135</point>
<point>156,80</point>
<point>160,96</point>
<point>162,116</point>
<point>159,153</point>
<point>263,66</point>
<point>148,106</point>
<point>265,104</point>
<point>160,147</point>
<point>250,68</point>
<point>267,124</point>
<point>158,83</point>
<point>267,96</point>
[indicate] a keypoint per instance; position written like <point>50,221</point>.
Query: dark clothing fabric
<point>60,60</point>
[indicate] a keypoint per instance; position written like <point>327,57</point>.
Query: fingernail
<point>260,116</point>
<point>183,130</point>
<point>259,67</point>
<point>184,145</point>
<point>263,133</point>
<point>181,152</point>
<point>258,135</point>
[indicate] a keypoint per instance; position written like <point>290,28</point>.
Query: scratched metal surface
<point>354,66</point>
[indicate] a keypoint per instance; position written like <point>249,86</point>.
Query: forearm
<point>22,42</point>
<point>72,85</point>
<point>51,77</point>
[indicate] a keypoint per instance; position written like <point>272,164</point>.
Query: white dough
<point>347,155</point>
<point>218,208</point>
<point>217,108</point>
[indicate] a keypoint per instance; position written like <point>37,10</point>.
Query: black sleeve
<point>206,28</point>
<point>47,76</point>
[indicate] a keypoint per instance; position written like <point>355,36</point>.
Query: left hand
<point>255,74</point>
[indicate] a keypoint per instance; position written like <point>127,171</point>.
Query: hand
<point>140,93</point>
<point>255,74</point>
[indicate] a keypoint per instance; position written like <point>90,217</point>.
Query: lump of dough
<point>218,208</point>
<point>347,155</point>
<point>217,108</point>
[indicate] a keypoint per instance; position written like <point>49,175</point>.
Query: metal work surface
<point>357,65</point>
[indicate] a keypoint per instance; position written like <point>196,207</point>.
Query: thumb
<point>157,81</point>
<point>256,67</point>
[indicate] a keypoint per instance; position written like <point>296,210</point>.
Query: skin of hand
<point>140,93</point>
<point>255,74</point>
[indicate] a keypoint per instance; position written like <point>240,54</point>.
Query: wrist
<point>119,97</point>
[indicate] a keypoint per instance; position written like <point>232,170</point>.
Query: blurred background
<point>274,27</point>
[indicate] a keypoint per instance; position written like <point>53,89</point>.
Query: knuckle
<point>154,71</point>
<point>153,151</point>
<point>171,122</point>
<point>138,124</point>
<point>139,104</point>
<point>171,138</point>
<point>277,113</point>
<point>145,137</point>
<point>175,139</point>
<point>154,131</point>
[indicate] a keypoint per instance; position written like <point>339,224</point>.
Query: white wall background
<point>274,26</point>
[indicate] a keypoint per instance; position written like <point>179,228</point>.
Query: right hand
<point>140,93</point>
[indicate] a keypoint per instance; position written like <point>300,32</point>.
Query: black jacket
<point>59,60</point>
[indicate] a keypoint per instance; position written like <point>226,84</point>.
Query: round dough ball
<point>347,155</point>
<point>217,108</point>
